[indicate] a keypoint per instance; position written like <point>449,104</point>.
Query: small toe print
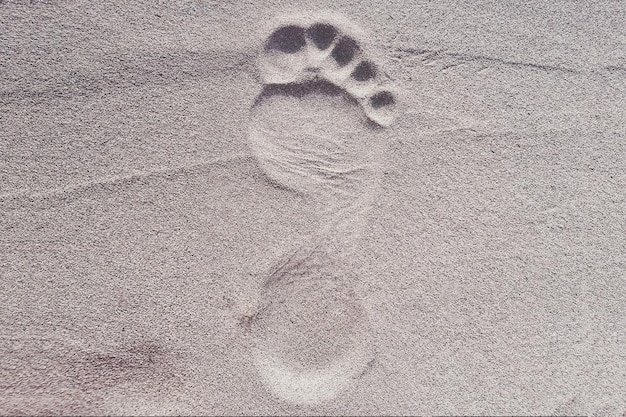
<point>365,71</point>
<point>322,35</point>
<point>344,51</point>
<point>288,39</point>
<point>382,99</point>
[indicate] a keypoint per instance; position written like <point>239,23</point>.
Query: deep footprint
<point>315,129</point>
<point>296,53</point>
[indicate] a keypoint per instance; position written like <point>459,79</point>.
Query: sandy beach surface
<point>286,208</point>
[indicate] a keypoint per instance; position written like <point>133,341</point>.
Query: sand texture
<point>321,208</point>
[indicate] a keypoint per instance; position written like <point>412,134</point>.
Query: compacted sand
<point>353,207</point>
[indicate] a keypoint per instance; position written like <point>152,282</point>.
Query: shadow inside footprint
<point>287,39</point>
<point>382,99</point>
<point>344,51</point>
<point>295,54</point>
<point>301,90</point>
<point>365,71</point>
<point>322,35</point>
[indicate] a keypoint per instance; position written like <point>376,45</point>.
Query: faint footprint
<point>315,130</point>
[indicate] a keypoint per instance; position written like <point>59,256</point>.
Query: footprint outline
<point>302,56</point>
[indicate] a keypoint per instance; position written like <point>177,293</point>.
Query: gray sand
<point>169,245</point>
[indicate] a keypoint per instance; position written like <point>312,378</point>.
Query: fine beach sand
<point>349,207</point>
